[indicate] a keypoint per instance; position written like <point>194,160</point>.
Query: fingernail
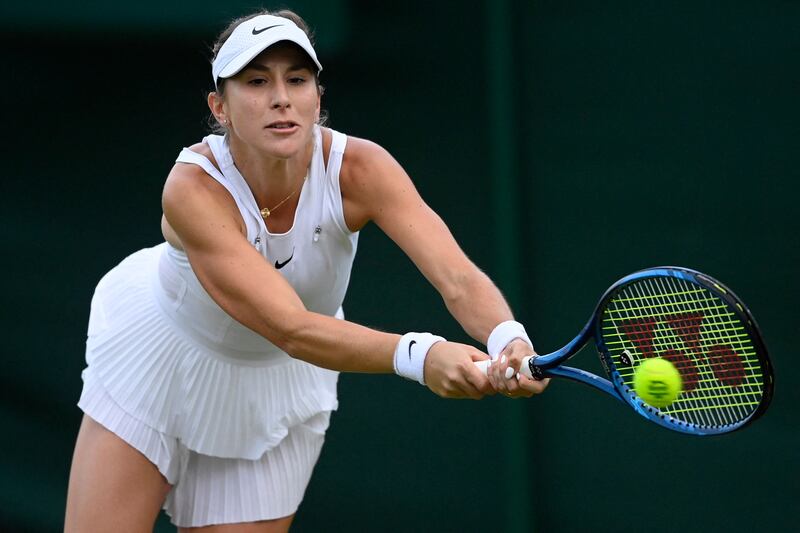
<point>509,372</point>
<point>503,359</point>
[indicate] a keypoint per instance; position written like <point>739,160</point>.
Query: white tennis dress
<point>233,422</point>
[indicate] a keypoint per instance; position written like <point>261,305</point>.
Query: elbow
<point>292,333</point>
<point>454,291</point>
<point>460,285</point>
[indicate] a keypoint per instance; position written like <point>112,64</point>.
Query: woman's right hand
<point>450,371</point>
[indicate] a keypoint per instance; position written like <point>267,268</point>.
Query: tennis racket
<point>689,319</point>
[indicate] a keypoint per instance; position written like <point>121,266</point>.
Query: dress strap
<point>338,145</point>
<point>191,157</point>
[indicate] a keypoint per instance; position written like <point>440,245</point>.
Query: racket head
<point>704,329</point>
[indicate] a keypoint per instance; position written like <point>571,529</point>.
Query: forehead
<point>284,53</point>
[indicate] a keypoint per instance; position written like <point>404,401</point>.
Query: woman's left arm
<point>375,187</point>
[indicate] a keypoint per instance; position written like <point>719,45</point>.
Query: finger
<point>490,375</point>
<point>513,387</point>
<point>514,363</point>
<point>519,392</point>
<point>484,367</point>
<point>475,382</point>
<point>478,355</point>
<point>516,358</point>
<point>532,385</point>
<point>460,391</point>
<point>504,372</point>
<point>526,387</point>
<point>517,351</point>
<point>510,372</point>
<point>498,373</point>
<point>468,390</point>
<point>495,373</point>
<point>507,383</point>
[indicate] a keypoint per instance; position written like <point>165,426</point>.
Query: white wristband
<point>504,333</point>
<point>410,353</point>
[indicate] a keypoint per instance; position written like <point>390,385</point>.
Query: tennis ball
<point>657,382</point>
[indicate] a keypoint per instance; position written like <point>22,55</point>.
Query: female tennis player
<point>212,359</point>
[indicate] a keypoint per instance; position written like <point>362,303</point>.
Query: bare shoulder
<point>188,178</point>
<point>190,192</point>
<point>362,155</point>
<point>204,150</point>
<point>370,177</point>
<point>367,167</point>
<point>187,182</point>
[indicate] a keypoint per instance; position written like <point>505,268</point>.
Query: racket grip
<point>525,370</point>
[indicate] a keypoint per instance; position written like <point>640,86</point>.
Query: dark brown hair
<point>215,126</point>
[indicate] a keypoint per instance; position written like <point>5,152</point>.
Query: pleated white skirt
<point>236,434</point>
<point>217,400</point>
<point>213,490</point>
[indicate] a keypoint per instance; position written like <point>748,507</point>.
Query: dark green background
<point>565,143</point>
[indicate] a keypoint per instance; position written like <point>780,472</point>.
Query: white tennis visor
<point>252,37</point>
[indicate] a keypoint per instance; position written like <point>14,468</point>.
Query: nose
<point>280,95</point>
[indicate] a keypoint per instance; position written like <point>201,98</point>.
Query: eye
<point>257,82</point>
<point>297,80</point>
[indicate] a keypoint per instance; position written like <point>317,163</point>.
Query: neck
<point>270,179</point>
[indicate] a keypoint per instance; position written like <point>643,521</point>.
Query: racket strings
<point>729,407</point>
<point>689,366</point>
<point>712,404</point>
<point>733,357</point>
<point>656,309</point>
<point>708,406</point>
<point>700,334</point>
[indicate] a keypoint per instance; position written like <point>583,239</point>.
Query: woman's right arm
<point>209,226</point>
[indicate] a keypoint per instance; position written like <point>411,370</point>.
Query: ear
<point>319,106</point>
<point>217,106</point>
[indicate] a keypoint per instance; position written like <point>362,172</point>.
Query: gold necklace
<point>267,212</point>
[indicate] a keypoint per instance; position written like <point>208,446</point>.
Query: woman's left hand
<point>511,357</point>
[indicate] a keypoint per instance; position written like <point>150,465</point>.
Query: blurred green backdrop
<point>566,143</point>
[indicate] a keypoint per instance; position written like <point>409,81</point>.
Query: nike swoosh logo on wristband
<point>410,344</point>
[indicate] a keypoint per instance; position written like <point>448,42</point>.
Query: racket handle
<point>525,370</point>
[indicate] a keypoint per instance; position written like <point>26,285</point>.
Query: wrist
<point>410,354</point>
<point>503,334</point>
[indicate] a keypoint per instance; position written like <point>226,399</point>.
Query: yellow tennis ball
<point>657,382</point>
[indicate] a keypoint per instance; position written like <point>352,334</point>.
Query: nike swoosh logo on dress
<point>279,265</point>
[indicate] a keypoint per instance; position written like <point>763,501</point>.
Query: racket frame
<point>548,365</point>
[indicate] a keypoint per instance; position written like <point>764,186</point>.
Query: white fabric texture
<point>252,37</point>
<point>212,490</point>
<point>504,333</point>
<point>410,354</point>
<point>170,357</point>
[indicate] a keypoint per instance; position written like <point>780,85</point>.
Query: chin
<point>286,148</point>
<point>283,151</point>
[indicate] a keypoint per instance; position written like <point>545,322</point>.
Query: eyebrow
<point>265,68</point>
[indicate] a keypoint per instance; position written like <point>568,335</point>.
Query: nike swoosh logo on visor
<point>256,32</point>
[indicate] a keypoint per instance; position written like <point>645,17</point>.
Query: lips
<point>282,125</point>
